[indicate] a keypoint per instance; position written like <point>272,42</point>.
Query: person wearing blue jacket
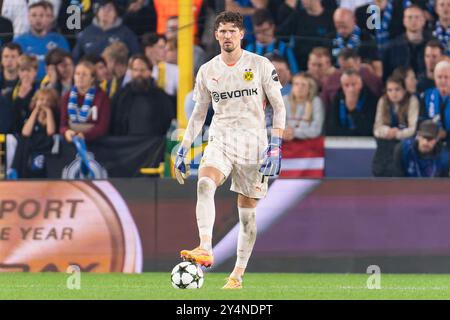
<point>106,28</point>
<point>38,42</point>
<point>423,156</point>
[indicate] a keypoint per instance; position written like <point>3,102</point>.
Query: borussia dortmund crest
<point>248,75</point>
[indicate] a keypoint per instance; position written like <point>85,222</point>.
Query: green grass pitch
<point>265,286</point>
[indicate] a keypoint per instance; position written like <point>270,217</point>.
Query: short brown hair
<point>320,52</point>
<point>27,62</point>
<point>44,4</point>
<point>88,65</point>
<point>56,56</point>
<point>229,17</point>
<point>118,52</point>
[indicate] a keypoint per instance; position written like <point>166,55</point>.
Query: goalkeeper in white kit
<point>237,83</point>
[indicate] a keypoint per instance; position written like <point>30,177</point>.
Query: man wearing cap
<point>106,28</point>
<point>422,156</point>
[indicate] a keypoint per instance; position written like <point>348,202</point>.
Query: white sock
<point>247,235</point>
<point>206,212</point>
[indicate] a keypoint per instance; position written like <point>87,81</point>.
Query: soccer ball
<point>187,275</point>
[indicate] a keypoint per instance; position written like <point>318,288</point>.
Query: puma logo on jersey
<point>234,94</point>
<point>216,80</point>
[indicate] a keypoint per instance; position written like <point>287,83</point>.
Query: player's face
<point>229,37</point>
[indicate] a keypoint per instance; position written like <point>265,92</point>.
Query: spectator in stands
<point>169,8</point>
<point>24,90</point>
<point>103,77</point>
<point>7,31</point>
<point>59,68</point>
<point>349,59</point>
<point>116,58</point>
<point>106,28</point>
<point>85,110</point>
<point>407,73</point>
<point>172,51</point>
<point>306,28</point>
<point>171,36</point>
<point>352,4</point>
<point>408,49</point>
<point>434,52</point>
<point>165,74</point>
<point>9,75</point>
<point>349,35</point>
<point>6,115</point>
<point>264,29</point>
<point>442,25</point>
<point>304,110</point>
<point>49,16</point>
<point>320,66</point>
<point>354,107</point>
<point>391,26</point>
<point>37,135</point>
<point>246,8</point>
<point>283,71</point>
<point>396,119</point>
<point>140,17</point>
<point>66,24</point>
<point>17,12</point>
<point>435,102</point>
<point>141,108</point>
<point>423,156</point>
<point>39,41</point>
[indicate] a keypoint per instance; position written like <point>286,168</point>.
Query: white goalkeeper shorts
<point>245,176</point>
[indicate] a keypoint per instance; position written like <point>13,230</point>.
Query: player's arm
<point>195,125</point>
<point>272,88</point>
<point>272,161</point>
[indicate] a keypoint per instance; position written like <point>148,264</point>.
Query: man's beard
<point>140,84</point>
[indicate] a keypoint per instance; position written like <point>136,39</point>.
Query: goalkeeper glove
<point>272,159</point>
<point>181,169</point>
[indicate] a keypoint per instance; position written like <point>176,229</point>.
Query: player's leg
<point>209,179</point>
<point>247,182</point>
<point>246,239</point>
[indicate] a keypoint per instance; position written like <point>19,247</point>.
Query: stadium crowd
<point>345,71</point>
